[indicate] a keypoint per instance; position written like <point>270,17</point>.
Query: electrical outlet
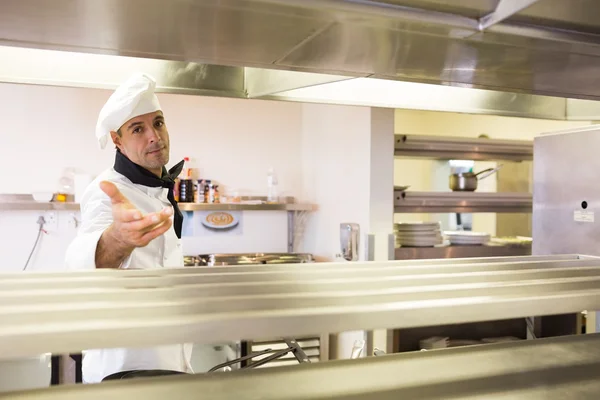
<point>73,221</point>
<point>51,218</point>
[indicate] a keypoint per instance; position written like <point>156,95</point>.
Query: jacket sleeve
<point>96,216</point>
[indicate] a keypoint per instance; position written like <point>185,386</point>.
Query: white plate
<point>220,220</point>
<point>467,234</point>
<point>411,231</point>
<point>417,225</point>
<point>419,243</point>
<point>472,238</point>
<point>418,234</point>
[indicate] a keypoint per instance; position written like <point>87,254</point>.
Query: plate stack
<point>435,342</point>
<point>418,234</point>
<point>467,238</point>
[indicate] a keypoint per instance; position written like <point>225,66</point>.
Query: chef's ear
<point>116,138</point>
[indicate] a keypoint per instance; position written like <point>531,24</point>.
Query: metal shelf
<point>68,312</point>
<point>554,368</point>
<point>38,206</point>
<point>246,207</point>
<point>461,202</point>
<point>18,202</point>
<point>446,148</point>
<point>424,253</point>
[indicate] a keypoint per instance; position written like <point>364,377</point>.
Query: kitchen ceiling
<point>549,47</point>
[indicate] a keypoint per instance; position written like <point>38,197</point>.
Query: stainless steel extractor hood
<point>547,49</point>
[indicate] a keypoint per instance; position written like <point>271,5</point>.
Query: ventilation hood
<point>509,57</point>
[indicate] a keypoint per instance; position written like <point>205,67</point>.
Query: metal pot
<point>467,181</point>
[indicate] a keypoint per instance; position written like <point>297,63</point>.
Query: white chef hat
<point>133,98</point>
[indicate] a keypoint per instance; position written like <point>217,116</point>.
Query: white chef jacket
<point>163,252</point>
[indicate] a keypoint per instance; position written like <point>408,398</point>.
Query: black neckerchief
<point>141,176</point>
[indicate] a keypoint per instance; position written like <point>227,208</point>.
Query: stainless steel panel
<point>175,311</point>
<point>409,95</point>
<point>486,263</point>
<point>558,14</point>
<point>47,67</point>
<point>564,175</point>
<point>113,324</point>
<point>386,11</point>
<point>224,31</point>
<point>440,147</point>
<point>410,202</point>
<point>212,260</point>
<point>558,368</point>
<point>355,38</point>
<point>408,253</point>
<point>269,280</point>
<point>474,9</point>
<point>263,82</point>
<point>574,15</point>
<point>395,54</point>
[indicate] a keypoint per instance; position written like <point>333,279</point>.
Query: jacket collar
<point>141,176</point>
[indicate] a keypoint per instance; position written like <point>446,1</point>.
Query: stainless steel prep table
<point>69,312</point>
<point>556,368</point>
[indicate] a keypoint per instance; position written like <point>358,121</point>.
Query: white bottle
<point>271,186</point>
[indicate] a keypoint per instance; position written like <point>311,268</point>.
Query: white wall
<point>345,173</point>
<point>321,153</point>
<point>18,231</point>
<point>46,129</point>
<point>335,144</point>
<point>233,141</point>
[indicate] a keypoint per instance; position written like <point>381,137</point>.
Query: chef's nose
<point>154,135</point>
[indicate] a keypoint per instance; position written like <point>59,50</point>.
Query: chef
<point>129,219</point>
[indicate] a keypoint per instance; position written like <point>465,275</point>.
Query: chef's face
<point>145,141</point>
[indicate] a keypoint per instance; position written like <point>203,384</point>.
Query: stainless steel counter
<point>557,368</point>
<point>410,253</point>
<point>68,312</point>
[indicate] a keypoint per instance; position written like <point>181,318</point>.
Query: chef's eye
<point>137,129</point>
<point>159,124</point>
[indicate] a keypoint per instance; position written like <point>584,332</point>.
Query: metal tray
<point>210,260</point>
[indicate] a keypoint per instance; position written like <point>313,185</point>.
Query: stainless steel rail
<point>68,312</point>
<point>461,202</point>
<point>557,368</point>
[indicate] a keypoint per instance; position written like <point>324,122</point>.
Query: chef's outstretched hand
<point>130,227</point>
